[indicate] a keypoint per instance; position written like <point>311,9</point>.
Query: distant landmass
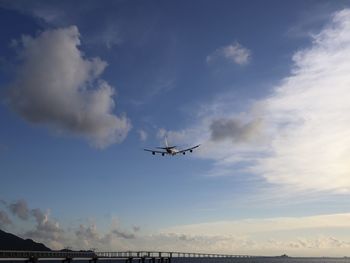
<point>9,241</point>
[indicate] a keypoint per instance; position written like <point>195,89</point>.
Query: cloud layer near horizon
<point>304,235</point>
<point>57,86</point>
<point>269,236</point>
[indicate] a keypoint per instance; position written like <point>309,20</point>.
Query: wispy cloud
<point>308,112</point>
<point>300,130</point>
<point>156,87</point>
<point>235,53</point>
<point>103,32</point>
<point>110,36</point>
<point>310,20</point>
<point>70,96</point>
<point>143,135</point>
<point>265,225</point>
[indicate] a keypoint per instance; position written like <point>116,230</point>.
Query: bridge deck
<point>128,256</point>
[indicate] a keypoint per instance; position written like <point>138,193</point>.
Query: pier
<point>93,257</point>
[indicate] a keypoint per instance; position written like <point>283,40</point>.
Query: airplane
<point>171,150</point>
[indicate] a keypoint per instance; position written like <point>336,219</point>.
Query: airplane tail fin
<point>166,141</point>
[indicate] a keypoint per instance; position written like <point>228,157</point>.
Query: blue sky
<point>262,86</point>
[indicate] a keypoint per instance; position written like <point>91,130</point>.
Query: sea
<point>264,260</point>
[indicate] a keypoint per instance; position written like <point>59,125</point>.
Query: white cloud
<point>306,236</point>
<point>310,114</point>
<point>234,53</point>
<point>143,135</point>
<point>302,141</point>
<point>57,86</point>
<point>265,225</point>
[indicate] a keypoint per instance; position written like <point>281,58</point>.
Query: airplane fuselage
<point>171,151</point>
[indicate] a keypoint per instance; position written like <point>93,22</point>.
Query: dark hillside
<point>11,242</point>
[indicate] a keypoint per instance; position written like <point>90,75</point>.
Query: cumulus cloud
<point>89,236</point>
<point>46,230</point>
<point>20,209</point>
<point>235,130</point>
<point>234,53</point>
<point>56,85</point>
<point>136,228</point>
<point>4,219</point>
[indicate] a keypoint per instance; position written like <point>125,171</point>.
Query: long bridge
<point>93,257</point>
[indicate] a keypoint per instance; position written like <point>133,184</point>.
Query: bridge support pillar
<point>67,259</point>
<point>32,259</point>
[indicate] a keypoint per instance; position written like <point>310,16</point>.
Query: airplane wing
<point>188,149</point>
<point>155,151</point>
